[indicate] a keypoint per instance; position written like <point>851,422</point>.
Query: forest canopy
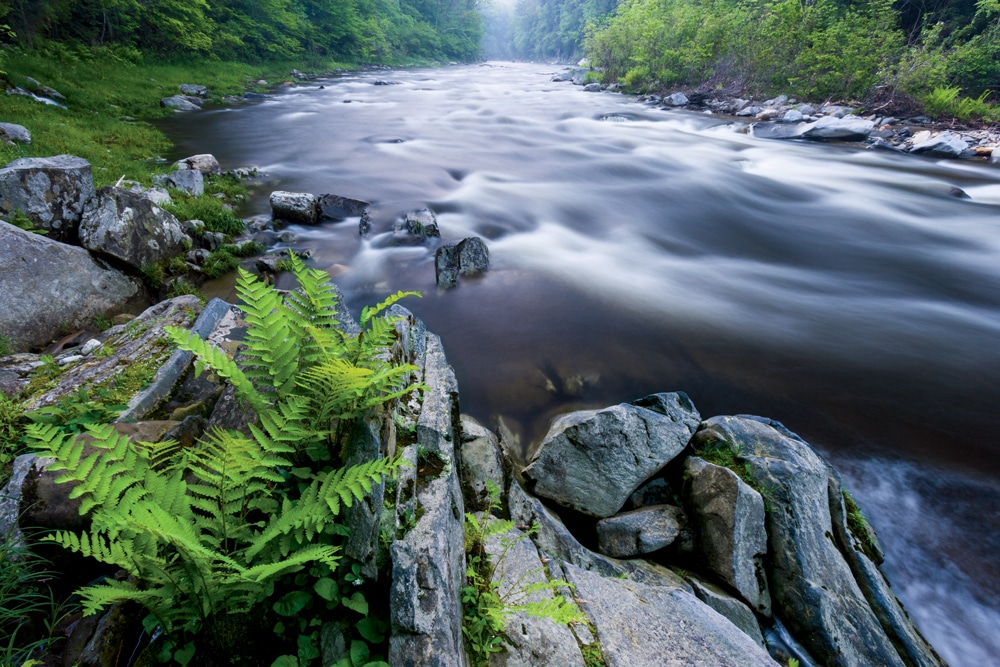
<point>256,30</point>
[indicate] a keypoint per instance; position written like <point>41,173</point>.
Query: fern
<point>302,373</point>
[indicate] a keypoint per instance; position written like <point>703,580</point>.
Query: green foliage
<point>211,210</point>
<point>203,529</point>
<point>5,346</point>
<point>23,597</point>
<point>74,412</point>
<point>299,360</point>
<point>153,276</point>
<point>181,287</point>
<point>817,50</point>
<point>48,367</point>
<point>948,103</point>
<point>22,221</point>
<point>11,429</point>
<point>220,262</point>
<point>486,606</point>
<point>859,526</point>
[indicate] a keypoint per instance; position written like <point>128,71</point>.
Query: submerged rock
<point>295,207</point>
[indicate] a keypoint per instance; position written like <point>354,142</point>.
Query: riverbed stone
<point>190,181</point>
<point>295,207</point>
<point>473,256</point>
<point>193,89</point>
<point>131,229</point>
<point>446,267</point>
<point>416,227</point>
<point>335,207</point>
<point>203,162</point>
<point>179,103</point>
<point>812,587</point>
<point>728,519</point>
<point>946,144</point>
<point>640,531</point>
<point>831,128</point>
<point>677,99</point>
<point>46,285</point>
<point>592,88</point>
<point>643,625</point>
<point>592,460</point>
<point>53,192</point>
<point>14,133</point>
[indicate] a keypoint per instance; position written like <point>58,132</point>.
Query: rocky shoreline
<point>675,538</point>
<point>786,118</point>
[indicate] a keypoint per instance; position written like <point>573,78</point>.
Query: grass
<point>110,97</point>
<point>23,598</point>
<point>210,210</point>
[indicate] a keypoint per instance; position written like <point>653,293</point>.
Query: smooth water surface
<point>844,292</point>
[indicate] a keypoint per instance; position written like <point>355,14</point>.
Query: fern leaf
<point>218,361</point>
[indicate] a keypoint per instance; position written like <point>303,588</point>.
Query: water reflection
<point>847,293</point>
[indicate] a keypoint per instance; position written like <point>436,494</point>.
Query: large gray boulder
<point>735,610</point>
<point>132,229</point>
<point>643,625</point>
<point>52,191</point>
<point>335,207</point>
<point>812,586</point>
<point>295,207</point>
<point>428,561</point>
<point>640,531</point>
<point>529,641</point>
<point>592,460</point>
<point>473,256</point>
<point>728,520</point>
<point>46,285</point>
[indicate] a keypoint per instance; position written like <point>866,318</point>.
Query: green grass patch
<point>210,210</point>
<point>110,97</point>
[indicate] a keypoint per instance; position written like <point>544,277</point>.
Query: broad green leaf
<point>371,629</point>
<point>357,602</point>
<point>359,652</point>
<point>292,603</point>
<point>286,661</point>
<point>183,656</point>
<point>326,588</point>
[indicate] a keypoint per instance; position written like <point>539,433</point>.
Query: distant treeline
<point>256,30</point>
<point>944,54</point>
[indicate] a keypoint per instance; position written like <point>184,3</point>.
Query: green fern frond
<point>369,312</point>
<point>217,360</point>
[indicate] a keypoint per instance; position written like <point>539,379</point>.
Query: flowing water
<point>844,292</point>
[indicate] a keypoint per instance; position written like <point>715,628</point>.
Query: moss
<point>859,527</point>
<point>210,210</point>
<point>132,379</point>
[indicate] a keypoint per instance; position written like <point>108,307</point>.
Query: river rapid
<point>841,291</point>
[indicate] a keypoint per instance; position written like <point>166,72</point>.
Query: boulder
<point>640,531</point>
<point>473,256</point>
<point>812,586</point>
<point>419,225</point>
<point>676,100</point>
<point>10,498</point>
<point>736,611</point>
<point>446,268</point>
<point>728,520</point>
<point>51,93</point>
<point>52,191</point>
<point>193,89</point>
<point>131,229</point>
<point>15,133</point>
<point>179,103</point>
<point>481,462</point>
<point>529,641</point>
<point>363,517</point>
<point>830,128</point>
<point>203,162</point>
<point>592,460</point>
<point>792,116</point>
<point>46,285</point>
<point>295,207</point>
<point>592,88</point>
<point>428,560</point>
<point>335,207</point>
<point>190,181</point>
<point>644,625</point>
<point>947,145</point>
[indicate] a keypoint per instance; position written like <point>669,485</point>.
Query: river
<point>844,292</point>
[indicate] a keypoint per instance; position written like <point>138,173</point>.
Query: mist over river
<point>841,291</point>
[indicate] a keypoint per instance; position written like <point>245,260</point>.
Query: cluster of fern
<point>205,533</point>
